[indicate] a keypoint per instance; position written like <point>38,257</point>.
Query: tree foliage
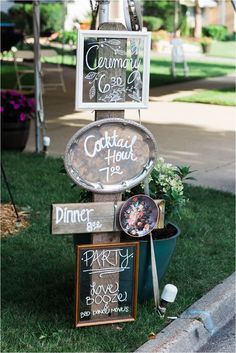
<point>51,17</point>
<point>163,9</point>
<point>152,23</point>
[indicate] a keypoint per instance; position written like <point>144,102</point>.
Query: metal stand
<point>10,194</point>
<point>39,119</point>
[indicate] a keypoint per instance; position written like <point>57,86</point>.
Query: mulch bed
<point>9,223</point>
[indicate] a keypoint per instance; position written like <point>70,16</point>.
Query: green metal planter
<point>14,135</point>
<point>164,249</point>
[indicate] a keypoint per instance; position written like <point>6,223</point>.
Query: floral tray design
<point>139,215</point>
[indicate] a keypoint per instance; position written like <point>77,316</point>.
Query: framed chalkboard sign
<point>112,70</point>
<point>106,283</point>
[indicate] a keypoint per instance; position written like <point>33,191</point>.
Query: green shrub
<point>232,37</point>
<point>68,37</point>
<point>218,32</point>
<point>22,16</point>
<point>185,30</point>
<point>5,17</point>
<point>52,18</point>
<point>152,23</point>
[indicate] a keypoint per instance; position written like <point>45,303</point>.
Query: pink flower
<point>16,107</point>
<point>31,103</point>
<point>22,117</point>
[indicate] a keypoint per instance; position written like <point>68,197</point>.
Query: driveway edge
<point>198,323</point>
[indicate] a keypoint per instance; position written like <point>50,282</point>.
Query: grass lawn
<point>223,49</point>
<point>219,97</point>
<point>38,268</point>
<point>160,72</point>
<point>8,76</point>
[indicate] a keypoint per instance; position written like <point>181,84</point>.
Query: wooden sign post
<point>99,115</point>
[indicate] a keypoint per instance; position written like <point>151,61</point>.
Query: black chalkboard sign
<point>106,283</point>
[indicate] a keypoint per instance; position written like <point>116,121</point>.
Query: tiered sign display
<point>106,283</point>
<point>107,157</point>
<point>102,84</point>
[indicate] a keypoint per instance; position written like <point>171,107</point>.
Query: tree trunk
<point>198,21</point>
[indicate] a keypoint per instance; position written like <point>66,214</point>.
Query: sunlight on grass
<point>225,97</point>
<point>160,71</point>
<point>223,49</point>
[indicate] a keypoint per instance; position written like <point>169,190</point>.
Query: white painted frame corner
<point>82,34</point>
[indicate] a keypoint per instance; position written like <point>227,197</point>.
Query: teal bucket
<point>164,249</point>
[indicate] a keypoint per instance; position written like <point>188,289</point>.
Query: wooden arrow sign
<point>94,217</point>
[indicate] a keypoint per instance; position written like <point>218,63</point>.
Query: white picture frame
<point>97,87</point>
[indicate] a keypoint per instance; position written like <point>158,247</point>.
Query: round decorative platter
<point>110,155</point>
<point>139,216</point>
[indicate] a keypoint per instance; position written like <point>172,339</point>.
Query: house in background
<point>212,12</point>
<point>223,14</point>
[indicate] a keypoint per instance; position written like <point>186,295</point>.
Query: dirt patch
<point>9,223</point>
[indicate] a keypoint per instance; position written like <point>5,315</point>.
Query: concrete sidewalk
<point>198,135</point>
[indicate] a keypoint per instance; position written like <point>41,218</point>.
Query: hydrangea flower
<point>167,182</point>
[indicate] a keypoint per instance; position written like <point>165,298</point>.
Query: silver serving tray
<point>110,155</point>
